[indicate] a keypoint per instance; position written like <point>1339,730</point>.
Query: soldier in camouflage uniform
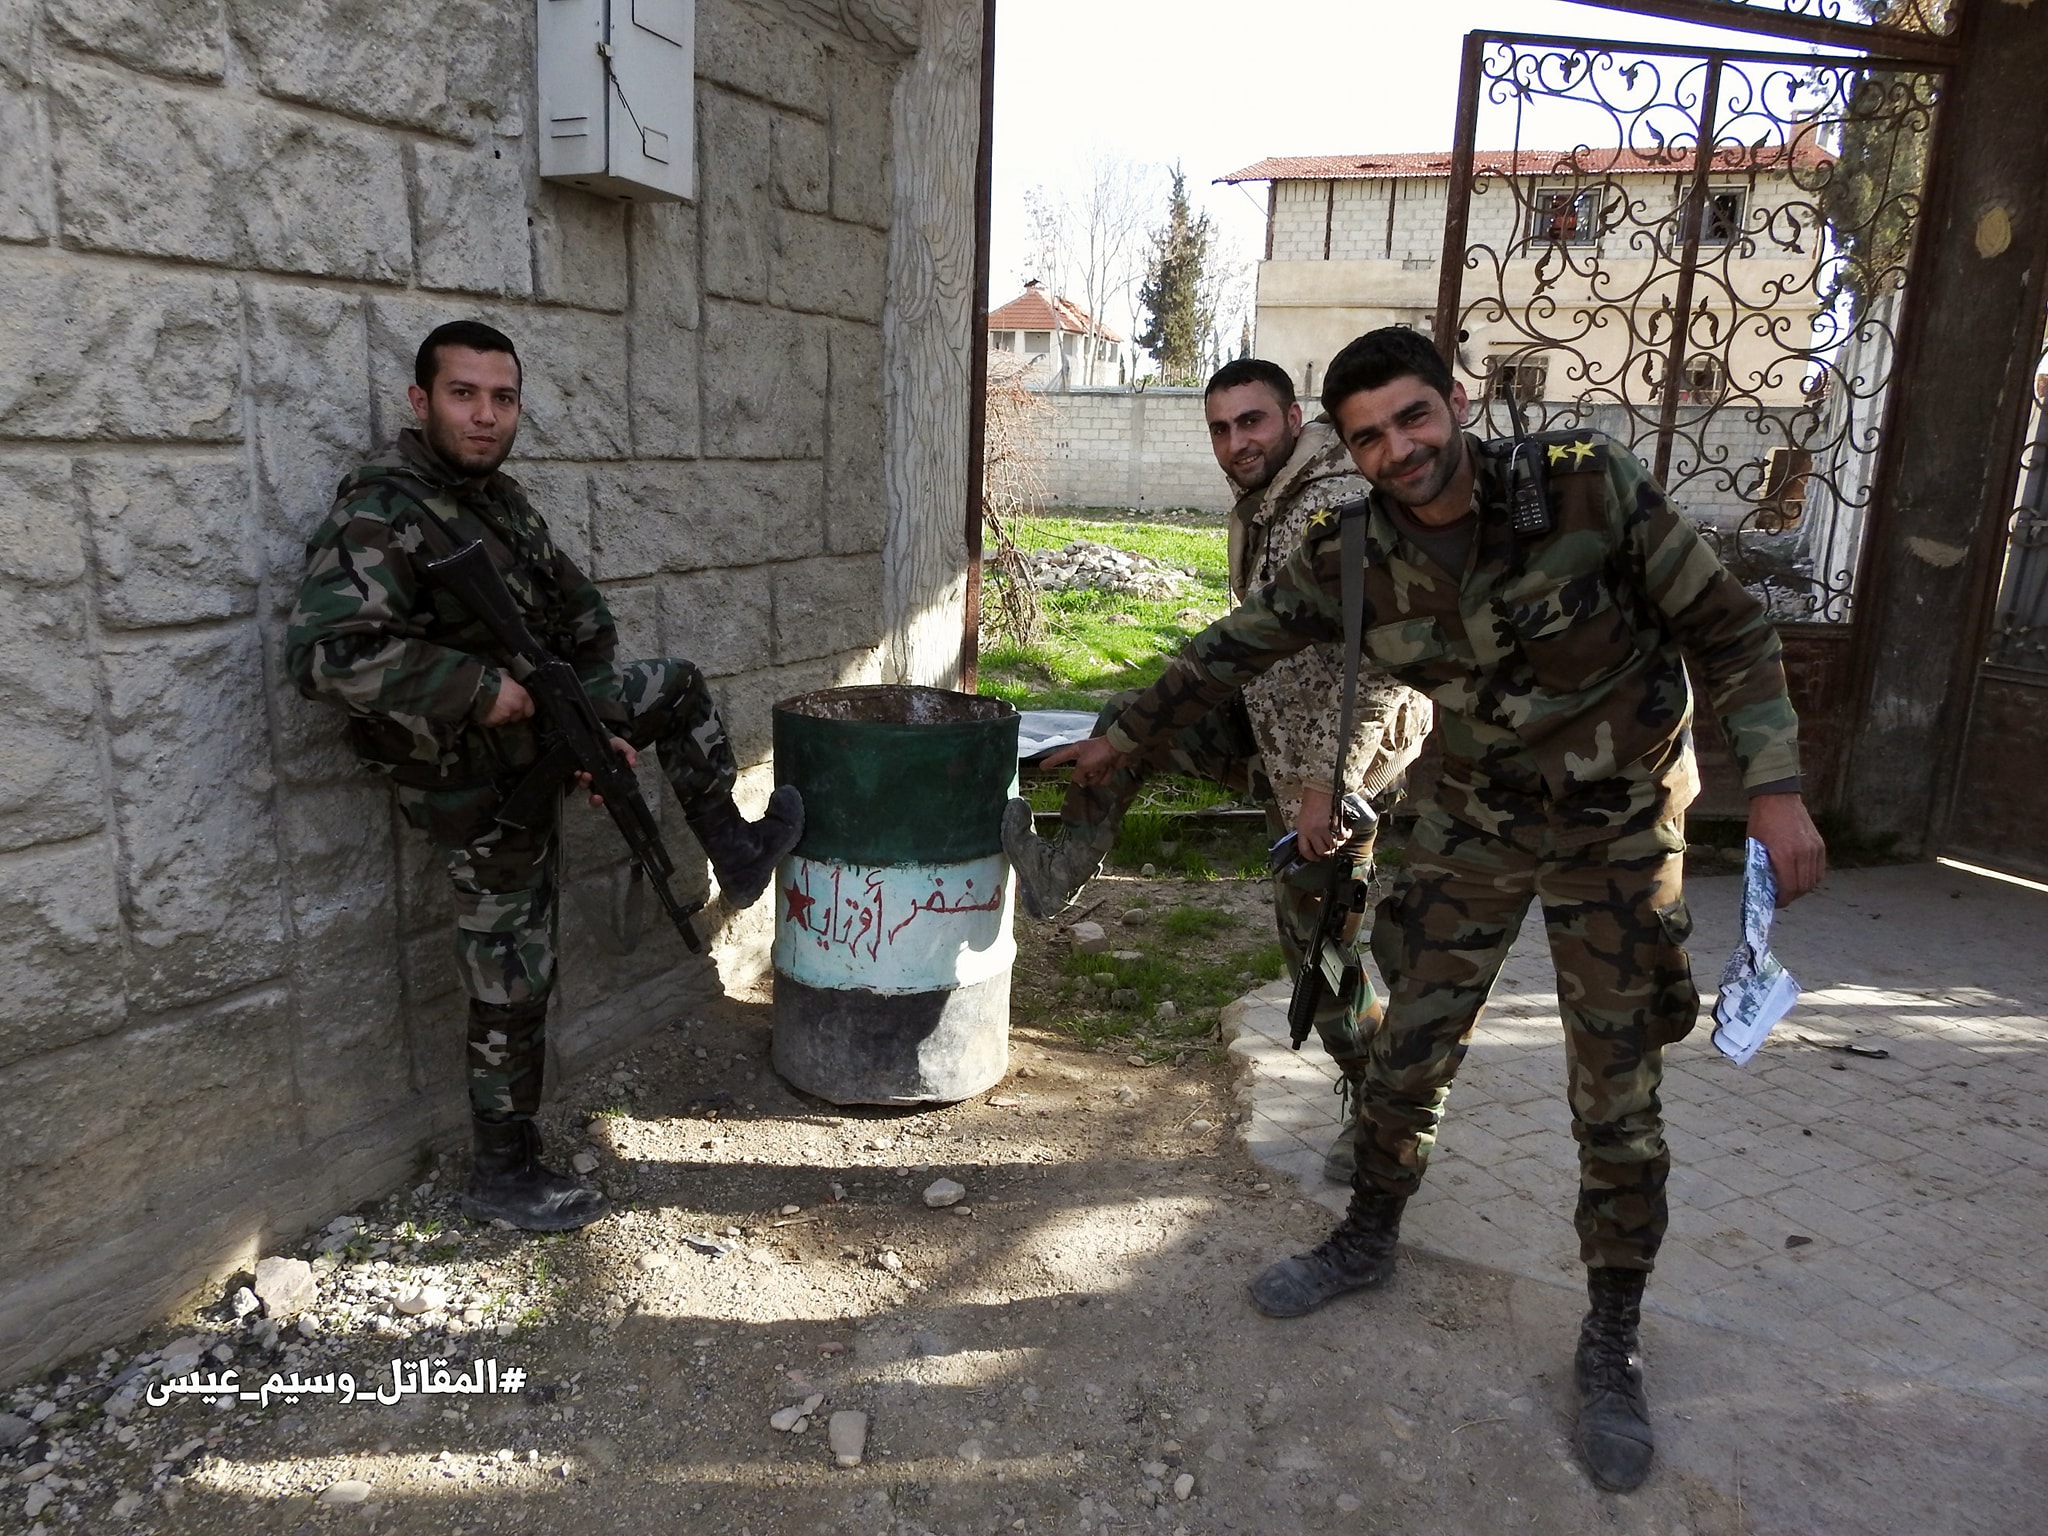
<point>432,704</point>
<point>1556,662</point>
<point>1276,741</point>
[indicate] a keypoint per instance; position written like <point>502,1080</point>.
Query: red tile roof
<point>1532,162</point>
<point>1035,310</point>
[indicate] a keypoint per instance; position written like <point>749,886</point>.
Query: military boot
<point>1048,874</point>
<point>507,1182</point>
<point>744,853</point>
<point>1358,1256</point>
<point>1613,1437</point>
<point>1341,1161</point>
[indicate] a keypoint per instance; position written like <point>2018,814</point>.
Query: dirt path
<point>1066,1349</point>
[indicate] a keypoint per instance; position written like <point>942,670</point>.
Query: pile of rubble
<point>1085,565</point>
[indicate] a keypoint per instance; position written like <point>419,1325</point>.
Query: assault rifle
<point>1327,967</point>
<point>576,740</point>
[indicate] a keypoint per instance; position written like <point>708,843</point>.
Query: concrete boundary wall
<point>1150,448</point>
<point>229,1006</point>
<point>1130,448</point>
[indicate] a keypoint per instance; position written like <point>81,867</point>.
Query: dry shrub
<point>1013,449</point>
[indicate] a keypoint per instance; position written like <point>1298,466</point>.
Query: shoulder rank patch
<point>1323,521</point>
<point>1577,453</point>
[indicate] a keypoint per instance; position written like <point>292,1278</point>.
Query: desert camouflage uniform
<point>1294,706</point>
<point>1281,733</point>
<point>1564,715</point>
<point>374,633</point>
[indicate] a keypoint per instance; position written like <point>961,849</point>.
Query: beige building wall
<point>1384,239</point>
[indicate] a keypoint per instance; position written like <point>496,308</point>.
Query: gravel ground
<point>1065,1348</point>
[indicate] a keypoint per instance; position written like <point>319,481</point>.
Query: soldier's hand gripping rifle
<point>1330,967</point>
<point>578,742</point>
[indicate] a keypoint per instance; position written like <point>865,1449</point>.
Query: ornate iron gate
<point>1702,253</point>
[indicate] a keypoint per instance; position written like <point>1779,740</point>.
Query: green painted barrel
<point>893,948</point>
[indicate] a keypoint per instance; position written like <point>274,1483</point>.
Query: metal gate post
<point>1965,375</point>
<point>1458,203</point>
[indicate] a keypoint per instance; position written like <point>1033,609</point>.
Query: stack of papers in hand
<point>1040,731</point>
<point>1756,991</point>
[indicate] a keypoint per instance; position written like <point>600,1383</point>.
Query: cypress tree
<point>1178,324</point>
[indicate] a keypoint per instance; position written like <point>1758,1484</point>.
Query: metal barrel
<point>893,948</point>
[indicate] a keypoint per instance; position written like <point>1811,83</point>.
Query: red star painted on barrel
<point>800,906</point>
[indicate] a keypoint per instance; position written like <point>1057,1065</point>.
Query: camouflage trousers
<point>506,881</point>
<point>1222,748</point>
<point>1617,924</point>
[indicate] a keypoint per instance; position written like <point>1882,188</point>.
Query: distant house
<point>1356,241</point>
<point>1077,349</point>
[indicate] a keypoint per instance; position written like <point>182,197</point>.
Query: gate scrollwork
<point>1710,270</point>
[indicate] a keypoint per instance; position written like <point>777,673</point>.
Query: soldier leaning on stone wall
<point>432,705</point>
<point>1277,737</point>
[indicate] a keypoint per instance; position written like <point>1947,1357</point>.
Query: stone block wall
<point>1130,448</point>
<point>229,1005</point>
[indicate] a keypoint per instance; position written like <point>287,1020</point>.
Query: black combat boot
<point>1048,873</point>
<point>1357,1256</point>
<point>508,1183</point>
<point>1613,1436</point>
<point>744,853</point>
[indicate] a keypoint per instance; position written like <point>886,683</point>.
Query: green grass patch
<point>1194,923</point>
<point>1198,984</point>
<point>1097,643</point>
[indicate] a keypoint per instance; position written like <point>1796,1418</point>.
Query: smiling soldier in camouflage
<point>1276,741</point>
<point>432,705</point>
<point>1556,661</point>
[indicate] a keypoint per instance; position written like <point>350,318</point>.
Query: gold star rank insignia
<point>1558,451</point>
<point>1322,521</point>
<point>1581,451</point>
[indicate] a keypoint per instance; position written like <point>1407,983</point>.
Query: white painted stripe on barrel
<point>893,928</point>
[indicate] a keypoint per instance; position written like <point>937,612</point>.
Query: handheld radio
<point>1528,489</point>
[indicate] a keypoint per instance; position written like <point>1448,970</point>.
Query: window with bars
<point>1721,215</point>
<point>1703,382</point>
<point>1564,216</point>
<point>1522,377</point>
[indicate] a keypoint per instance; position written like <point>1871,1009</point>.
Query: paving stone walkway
<point>1888,1213</point>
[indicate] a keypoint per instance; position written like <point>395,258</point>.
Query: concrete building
<point>1356,241</point>
<point>227,1002</point>
<point>1078,351</point>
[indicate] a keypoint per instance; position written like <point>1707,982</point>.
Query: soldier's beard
<point>459,455</point>
<point>1420,493</point>
<point>1269,464</point>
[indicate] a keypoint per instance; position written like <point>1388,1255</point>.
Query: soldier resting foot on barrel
<point>433,704</point>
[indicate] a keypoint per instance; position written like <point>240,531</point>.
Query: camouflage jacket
<point>1555,661</point>
<point>1295,707</point>
<point>374,633</point>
